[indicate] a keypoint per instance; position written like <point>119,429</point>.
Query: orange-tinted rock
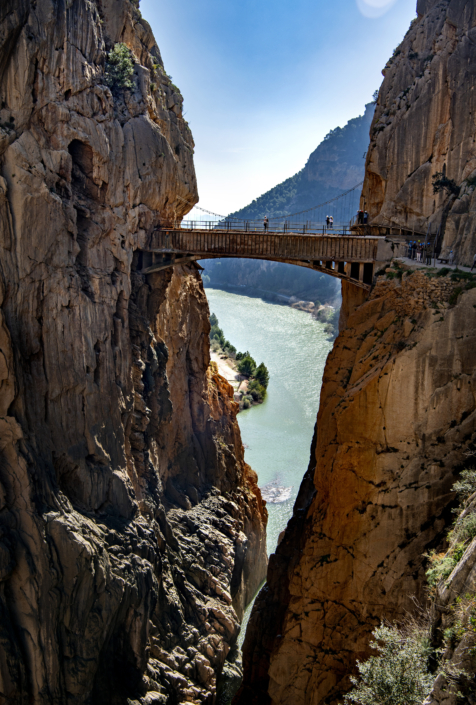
<point>397,409</point>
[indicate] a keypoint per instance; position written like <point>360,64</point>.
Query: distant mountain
<point>336,165</point>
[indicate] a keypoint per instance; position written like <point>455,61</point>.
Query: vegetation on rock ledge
<point>435,652</point>
<point>255,376</point>
<point>119,68</point>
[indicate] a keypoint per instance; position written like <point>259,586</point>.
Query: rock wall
<point>397,411</point>
<point>131,530</point>
<point>397,408</point>
<point>423,125</point>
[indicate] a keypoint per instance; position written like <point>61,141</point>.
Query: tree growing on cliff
<point>442,183</point>
<point>119,68</point>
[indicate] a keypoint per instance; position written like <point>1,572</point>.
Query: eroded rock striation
<point>397,411</point>
<point>423,126</point>
<point>131,529</point>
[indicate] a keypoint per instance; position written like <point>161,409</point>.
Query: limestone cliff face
<point>396,413</point>
<point>129,522</point>
<point>423,125</point>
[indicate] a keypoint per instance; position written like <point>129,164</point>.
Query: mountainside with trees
<point>335,166</point>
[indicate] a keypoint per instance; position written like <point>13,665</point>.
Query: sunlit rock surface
<point>423,125</point>
<point>397,410</point>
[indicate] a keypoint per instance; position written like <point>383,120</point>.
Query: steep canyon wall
<point>397,411</point>
<point>397,407</point>
<point>132,533</point>
<point>424,125</point>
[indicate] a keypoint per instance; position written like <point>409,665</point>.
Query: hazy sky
<point>265,80</point>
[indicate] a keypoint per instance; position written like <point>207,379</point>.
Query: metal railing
<point>255,226</point>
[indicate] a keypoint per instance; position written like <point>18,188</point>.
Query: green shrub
<point>216,333</point>
<point>229,349</point>
<point>247,366</point>
<point>257,391</point>
<point>466,485</point>
<point>119,68</point>
<point>464,529</point>
<point>441,566</point>
<point>262,375</point>
<point>457,275</point>
<point>399,674</point>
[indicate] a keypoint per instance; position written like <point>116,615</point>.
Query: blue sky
<point>265,80</point>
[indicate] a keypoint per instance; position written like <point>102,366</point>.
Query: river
<point>277,434</point>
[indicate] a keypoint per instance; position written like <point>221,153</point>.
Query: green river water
<point>277,434</point>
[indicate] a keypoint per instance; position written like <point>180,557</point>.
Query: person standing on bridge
<point>366,218</point>
<point>331,221</point>
<point>265,223</point>
<point>328,221</point>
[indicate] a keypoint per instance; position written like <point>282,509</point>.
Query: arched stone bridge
<point>343,255</point>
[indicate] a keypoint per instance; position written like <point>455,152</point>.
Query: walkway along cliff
<point>132,532</point>
<point>397,408</point>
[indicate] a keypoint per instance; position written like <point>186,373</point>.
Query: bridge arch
<point>343,255</point>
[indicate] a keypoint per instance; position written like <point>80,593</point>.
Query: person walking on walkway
<point>418,254</point>
<point>365,218</point>
<point>265,223</point>
<point>451,258</point>
<point>410,249</point>
<point>474,263</point>
<point>428,253</point>
<point>331,221</point>
<point>414,246</point>
<point>327,221</point>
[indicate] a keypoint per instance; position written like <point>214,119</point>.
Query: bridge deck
<point>343,255</point>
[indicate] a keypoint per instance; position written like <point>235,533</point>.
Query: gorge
<point>132,531</point>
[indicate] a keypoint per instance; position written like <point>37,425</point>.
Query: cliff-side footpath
<point>132,533</point>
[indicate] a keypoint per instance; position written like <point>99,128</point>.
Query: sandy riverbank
<point>229,372</point>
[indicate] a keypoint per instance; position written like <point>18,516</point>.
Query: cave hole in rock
<point>82,176</point>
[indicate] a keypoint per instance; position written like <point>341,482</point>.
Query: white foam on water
<point>274,493</point>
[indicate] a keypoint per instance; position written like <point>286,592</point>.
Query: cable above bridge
<point>341,207</point>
